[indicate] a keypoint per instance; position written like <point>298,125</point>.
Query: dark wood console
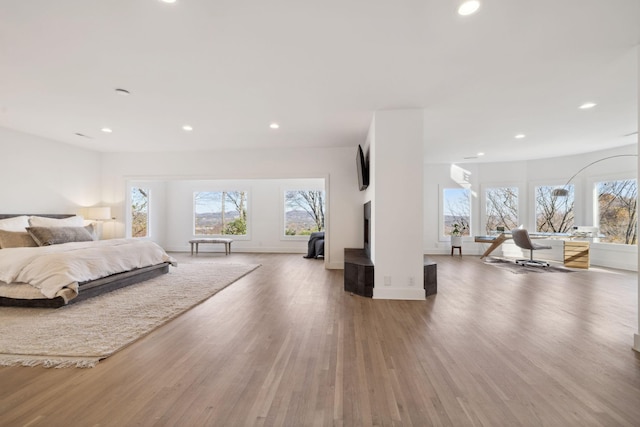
<point>358,272</point>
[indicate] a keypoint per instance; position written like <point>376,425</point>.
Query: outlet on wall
<point>412,281</point>
<point>387,280</point>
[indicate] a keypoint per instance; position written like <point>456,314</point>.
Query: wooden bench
<point>223,240</point>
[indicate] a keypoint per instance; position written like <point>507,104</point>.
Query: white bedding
<point>53,268</point>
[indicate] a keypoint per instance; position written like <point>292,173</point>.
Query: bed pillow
<point>18,223</point>
<point>16,239</point>
<point>41,221</point>
<point>46,236</point>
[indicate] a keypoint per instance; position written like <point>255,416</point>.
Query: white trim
<point>636,342</point>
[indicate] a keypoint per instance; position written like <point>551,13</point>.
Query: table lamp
<point>98,215</point>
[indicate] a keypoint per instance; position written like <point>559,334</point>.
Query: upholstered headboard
<point>59,216</point>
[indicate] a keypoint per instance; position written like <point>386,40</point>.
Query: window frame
<point>246,236</point>
<point>443,237</point>
<point>129,230</point>
<point>595,213</point>
<point>533,222</point>
<point>521,204</point>
<point>283,212</point>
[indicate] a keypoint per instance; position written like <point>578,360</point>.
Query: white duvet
<point>52,268</point>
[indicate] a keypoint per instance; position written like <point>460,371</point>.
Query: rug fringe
<point>136,310</point>
<point>46,362</point>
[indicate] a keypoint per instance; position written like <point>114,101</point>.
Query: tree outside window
<point>502,208</point>
<point>617,211</point>
<point>554,214</point>
<point>139,212</point>
<point>456,204</point>
<point>303,212</point>
<point>220,213</point>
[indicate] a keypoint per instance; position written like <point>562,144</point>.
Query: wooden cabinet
<point>576,254</point>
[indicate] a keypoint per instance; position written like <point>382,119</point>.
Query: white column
<point>397,204</point>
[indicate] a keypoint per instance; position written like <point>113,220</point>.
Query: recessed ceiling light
<point>587,105</point>
<point>480,154</point>
<point>168,1</point>
<point>274,126</point>
<point>520,136</point>
<point>468,7</point>
<point>106,130</point>
<point>122,92</point>
<point>187,128</point>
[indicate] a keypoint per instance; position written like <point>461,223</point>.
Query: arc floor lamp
<point>563,192</point>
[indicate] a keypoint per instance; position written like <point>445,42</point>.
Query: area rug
<point>82,334</point>
<point>510,265</point>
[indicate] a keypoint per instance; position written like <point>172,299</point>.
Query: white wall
<point>526,175</point>
<point>636,337</point>
<point>171,216</point>
<point>44,176</point>
<point>335,165</point>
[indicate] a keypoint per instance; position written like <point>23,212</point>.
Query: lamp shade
<point>99,213</point>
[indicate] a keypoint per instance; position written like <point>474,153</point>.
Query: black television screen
<point>363,170</point>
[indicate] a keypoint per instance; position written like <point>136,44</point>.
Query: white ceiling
<point>231,67</point>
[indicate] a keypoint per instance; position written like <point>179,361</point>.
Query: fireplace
<point>358,268</point>
<point>367,229</point>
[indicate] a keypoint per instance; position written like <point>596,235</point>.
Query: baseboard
<point>399,293</point>
<point>466,250</point>
<point>636,342</point>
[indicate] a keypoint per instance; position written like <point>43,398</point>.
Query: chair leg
<point>532,262</point>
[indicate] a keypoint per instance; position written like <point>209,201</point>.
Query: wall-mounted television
<point>363,170</point>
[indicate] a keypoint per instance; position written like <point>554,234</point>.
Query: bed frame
<point>91,288</point>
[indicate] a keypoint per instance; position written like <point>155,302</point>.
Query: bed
<point>38,268</point>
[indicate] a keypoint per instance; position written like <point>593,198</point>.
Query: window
<point>617,211</point>
<point>303,212</point>
<point>554,214</point>
<point>456,204</point>
<point>139,212</point>
<point>220,213</point>
<point>502,208</point>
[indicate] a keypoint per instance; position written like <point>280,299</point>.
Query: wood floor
<point>286,346</point>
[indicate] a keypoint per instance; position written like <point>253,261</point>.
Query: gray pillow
<point>46,236</point>
<point>16,239</point>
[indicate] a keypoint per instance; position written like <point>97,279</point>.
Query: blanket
<point>315,247</point>
<point>53,268</point>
